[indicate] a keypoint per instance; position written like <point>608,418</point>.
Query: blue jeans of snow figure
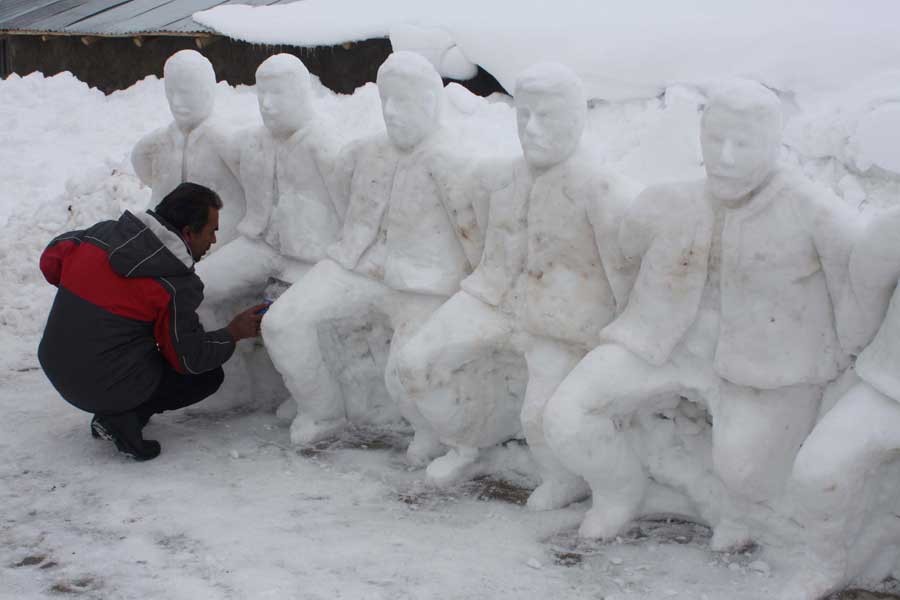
<point>329,292</point>
<point>756,433</point>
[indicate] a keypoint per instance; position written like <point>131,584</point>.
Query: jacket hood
<point>144,245</point>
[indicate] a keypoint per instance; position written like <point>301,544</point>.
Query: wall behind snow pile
<point>111,64</point>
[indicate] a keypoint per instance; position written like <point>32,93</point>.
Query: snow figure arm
<point>665,235</point>
<point>327,150</point>
<point>606,201</point>
<point>639,225</point>
<point>874,270</point>
<point>505,237</point>
<point>366,207</point>
<point>256,166</point>
<point>229,149</point>
<point>142,157</point>
<point>342,177</point>
<point>463,188</point>
<point>835,230</point>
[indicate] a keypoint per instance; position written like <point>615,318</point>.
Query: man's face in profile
<point>200,241</point>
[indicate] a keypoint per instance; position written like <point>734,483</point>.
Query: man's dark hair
<point>188,204</point>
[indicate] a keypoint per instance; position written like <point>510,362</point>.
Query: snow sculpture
<point>284,167</point>
<point>845,477</point>
<point>731,309</point>
<point>399,257</point>
<point>192,147</point>
<point>550,278</point>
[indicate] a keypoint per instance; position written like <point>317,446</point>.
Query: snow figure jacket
<point>289,202</point>
<point>125,306</point>
<point>784,262</point>
<point>166,157</point>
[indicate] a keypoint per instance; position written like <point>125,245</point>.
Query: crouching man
<point>123,340</point>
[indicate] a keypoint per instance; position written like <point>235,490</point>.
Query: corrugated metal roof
<point>110,17</point>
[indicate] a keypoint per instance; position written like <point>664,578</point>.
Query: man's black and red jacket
<point>126,305</point>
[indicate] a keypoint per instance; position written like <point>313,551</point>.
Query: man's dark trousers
<point>178,391</point>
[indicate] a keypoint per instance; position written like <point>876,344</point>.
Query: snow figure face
<point>190,88</point>
<point>551,110</point>
<point>282,90</point>
<point>740,136</point>
<point>411,94</point>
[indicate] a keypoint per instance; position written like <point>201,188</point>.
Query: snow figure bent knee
<point>550,278</point>
<point>732,308</point>
<point>400,254</point>
<point>193,148</point>
<point>844,481</point>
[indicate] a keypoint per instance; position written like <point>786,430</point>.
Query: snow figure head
<point>740,136</point>
<point>411,98</point>
<point>190,88</point>
<point>551,109</point>
<point>283,92</point>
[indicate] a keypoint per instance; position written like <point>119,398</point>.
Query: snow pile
<point>621,50</point>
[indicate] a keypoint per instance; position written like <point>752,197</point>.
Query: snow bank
<point>621,50</point>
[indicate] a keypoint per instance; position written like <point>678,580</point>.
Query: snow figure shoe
<point>306,431</point>
<point>558,493</point>
<point>423,448</point>
<point>124,430</point>
<point>605,522</point>
<point>457,465</point>
<point>730,536</point>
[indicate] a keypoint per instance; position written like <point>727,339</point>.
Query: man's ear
<point>186,232</point>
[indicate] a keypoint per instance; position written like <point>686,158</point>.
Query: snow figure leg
<point>407,312</point>
<point>828,483</point>
<point>756,436</point>
<point>238,268</point>
<point>548,364</point>
<point>443,369</point>
<point>290,332</point>
<point>585,422</point>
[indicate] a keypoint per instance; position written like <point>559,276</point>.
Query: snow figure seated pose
<point>845,478</point>
<point>399,257</point>
<point>732,308</point>
<point>550,278</point>
<point>284,167</point>
<point>191,148</point>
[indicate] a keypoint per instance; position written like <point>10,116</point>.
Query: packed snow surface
<point>231,510</point>
<point>621,49</point>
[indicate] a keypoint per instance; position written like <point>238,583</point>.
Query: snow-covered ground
<point>229,510</point>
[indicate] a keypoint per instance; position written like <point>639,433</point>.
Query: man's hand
<point>246,323</point>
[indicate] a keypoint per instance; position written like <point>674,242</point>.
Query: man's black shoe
<point>143,419</point>
<point>125,431</point>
